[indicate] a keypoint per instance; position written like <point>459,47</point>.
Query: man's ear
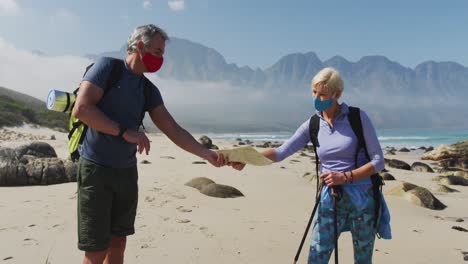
<point>140,45</point>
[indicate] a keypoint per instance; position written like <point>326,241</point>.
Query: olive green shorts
<point>107,204</point>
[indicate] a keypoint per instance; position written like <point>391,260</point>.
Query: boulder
<point>417,195</point>
<point>461,163</point>
<point>463,174</point>
<point>210,188</point>
<point>387,176</point>
<point>40,171</point>
<point>422,167</point>
<point>198,183</point>
<point>430,148</point>
<point>220,191</point>
<point>34,164</point>
<point>207,142</point>
<point>404,150</point>
<point>458,150</point>
<point>451,180</point>
<point>36,149</point>
<point>397,164</point>
<point>443,189</point>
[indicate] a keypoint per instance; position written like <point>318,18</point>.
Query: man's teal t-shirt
<point>124,103</point>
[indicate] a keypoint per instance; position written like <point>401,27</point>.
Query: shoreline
<point>257,138</point>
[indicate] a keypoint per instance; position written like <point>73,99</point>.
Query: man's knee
<point>118,242</point>
<point>92,257</point>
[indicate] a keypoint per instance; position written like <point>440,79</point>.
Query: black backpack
<point>77,129</point>
<point>354,118</point>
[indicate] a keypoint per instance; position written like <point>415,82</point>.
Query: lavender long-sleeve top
<point>337,152</point>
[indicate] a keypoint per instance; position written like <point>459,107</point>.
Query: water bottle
<point>60,101</point>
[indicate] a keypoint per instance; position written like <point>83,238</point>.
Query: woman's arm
<point>289,147</point>
<point>300,139</point>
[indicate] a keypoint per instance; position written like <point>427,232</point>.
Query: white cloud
<point>34,74</point>
<point>176,5</point>
<point>146,4</point>
<point>9,7</point>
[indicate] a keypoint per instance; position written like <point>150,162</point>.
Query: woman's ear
<point>338,95</point>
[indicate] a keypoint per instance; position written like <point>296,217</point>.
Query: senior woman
<point>342,164</point>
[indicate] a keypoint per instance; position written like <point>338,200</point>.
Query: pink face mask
<point>152,63</point>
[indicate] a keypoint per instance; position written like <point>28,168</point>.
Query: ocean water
<point>410,138</point>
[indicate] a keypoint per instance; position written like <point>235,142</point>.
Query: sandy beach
<point>178,224</point>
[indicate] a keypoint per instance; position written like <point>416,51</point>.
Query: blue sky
<point>247,32</point>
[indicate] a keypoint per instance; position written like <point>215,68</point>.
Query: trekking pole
<point>306,231</point>
<point>335,194</point>
<point>317,201</point>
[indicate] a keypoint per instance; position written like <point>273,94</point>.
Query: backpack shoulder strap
<point>354,118</point>
<point>115,74</point>
<point>147,89</point>
<point>314,126</point>
<point>87,68</point>
<point>75,92</point>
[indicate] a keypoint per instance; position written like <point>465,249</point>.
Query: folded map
<point>247,155</point>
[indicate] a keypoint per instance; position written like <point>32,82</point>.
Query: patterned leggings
<point>361,224</point>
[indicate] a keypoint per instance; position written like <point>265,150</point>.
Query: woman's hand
<point>333,178</point>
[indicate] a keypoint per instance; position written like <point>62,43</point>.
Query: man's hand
<point>138,138</point>
<point>216,159</point>
<point>237,165</point>
<point>333,178</point>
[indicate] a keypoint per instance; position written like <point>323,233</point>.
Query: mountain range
<point>432,94</point>
<point>189,61</point>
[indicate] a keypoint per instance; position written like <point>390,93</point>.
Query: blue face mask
<point>322,105</point>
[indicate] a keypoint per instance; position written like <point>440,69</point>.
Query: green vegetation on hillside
<point>15,113</point>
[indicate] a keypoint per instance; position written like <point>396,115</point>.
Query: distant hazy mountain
<point>189,61</point>
<point>432,94</point>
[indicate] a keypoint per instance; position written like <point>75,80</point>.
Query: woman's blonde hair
<point>330,79</point>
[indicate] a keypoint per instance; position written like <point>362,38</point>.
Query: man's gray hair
<point>144,33</point>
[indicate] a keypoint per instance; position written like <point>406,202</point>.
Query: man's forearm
<point>95,118</point>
